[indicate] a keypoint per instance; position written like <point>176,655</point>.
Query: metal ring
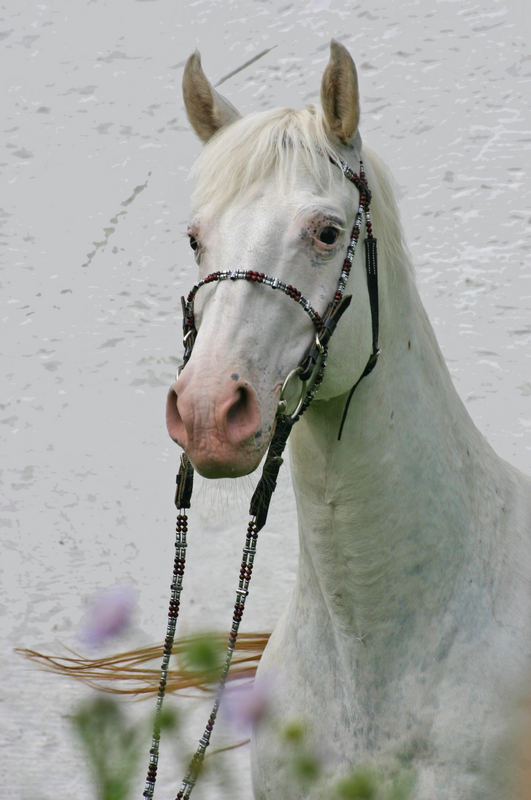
<point>282,404</point>
<point>320,347</point>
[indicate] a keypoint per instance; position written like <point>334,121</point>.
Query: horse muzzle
<point>219,427</point>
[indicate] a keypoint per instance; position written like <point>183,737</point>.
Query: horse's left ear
<point>340,94</point>
<point>207,110</point>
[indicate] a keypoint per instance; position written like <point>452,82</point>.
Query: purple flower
<point>245,704</point>
<point>109,614</point>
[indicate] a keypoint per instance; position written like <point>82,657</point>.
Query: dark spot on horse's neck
<point>235,376</point>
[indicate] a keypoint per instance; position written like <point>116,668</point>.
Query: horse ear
<point>340,94</point>
<point>207,110</point>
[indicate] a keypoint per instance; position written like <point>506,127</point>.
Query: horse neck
<point>389,516</point>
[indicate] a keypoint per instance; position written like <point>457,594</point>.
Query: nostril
<point>174,422</point>
<point>238,410</point>
<point>243,416</point>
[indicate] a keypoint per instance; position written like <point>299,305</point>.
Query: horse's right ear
<point>340,94</point>
<point>207,110</point>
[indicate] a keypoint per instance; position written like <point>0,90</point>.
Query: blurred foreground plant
<point>362,784</point>
<point>202,657</point>
<point>308,771</point>
<point>109,614</point>
<point>116,748</point>
<point>113,746</point>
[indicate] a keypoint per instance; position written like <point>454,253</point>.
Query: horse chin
<point>210,462</point>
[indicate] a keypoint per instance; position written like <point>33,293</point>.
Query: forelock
<point>241,156</point>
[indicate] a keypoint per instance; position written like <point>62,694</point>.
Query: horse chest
<point>442,715</point>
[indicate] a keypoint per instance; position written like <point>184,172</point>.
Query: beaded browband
<point>310,373</point>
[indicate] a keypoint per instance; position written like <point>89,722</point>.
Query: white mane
<point>385,213</point>
<point>240,156</point>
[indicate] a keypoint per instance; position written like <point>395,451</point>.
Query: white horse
<point>409,629</point>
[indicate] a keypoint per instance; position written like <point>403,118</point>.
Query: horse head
<point>268,199</point>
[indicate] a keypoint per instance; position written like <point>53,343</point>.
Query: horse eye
<point>194,244</point>
<point>329,235</point>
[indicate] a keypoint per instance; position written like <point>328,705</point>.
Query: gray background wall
<point>95,152</point>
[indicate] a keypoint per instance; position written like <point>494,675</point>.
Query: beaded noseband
<point>310,373</point>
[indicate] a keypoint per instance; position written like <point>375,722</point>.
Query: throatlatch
<point>310,373</point>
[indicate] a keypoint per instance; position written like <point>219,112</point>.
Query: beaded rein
<point>310,372</point>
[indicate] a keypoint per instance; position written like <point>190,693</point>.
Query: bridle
<point>311,367</point>
<point>309,372</point>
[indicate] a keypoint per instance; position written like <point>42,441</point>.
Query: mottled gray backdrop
<point>95,153</point>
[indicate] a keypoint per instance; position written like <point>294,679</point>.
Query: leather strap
<point>371,265</point>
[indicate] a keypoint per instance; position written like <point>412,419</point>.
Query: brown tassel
<point>129,673</point>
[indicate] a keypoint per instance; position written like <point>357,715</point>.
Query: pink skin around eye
<point>313,228</point>
<point>194,241</point>
<point>193,231</point>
